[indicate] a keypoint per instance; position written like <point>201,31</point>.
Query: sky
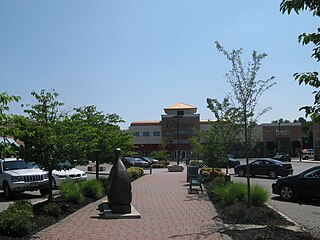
<point>134,58</point>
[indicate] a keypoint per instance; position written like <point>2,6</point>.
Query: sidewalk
<point>167,212</point>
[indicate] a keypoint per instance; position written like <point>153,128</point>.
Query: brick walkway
<point>167,212</point>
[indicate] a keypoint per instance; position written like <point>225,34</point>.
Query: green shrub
<point>231,192</point>
<point>135,172</point>
<point>216,182</point>
<point>259,195</point>
<point>17,220</point>
<point>92,188</point>
<point>158,165</point>
<point>71,192</point>
<point>104,182</point>
<point>52,209</point>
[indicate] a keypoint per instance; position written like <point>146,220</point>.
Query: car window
<point>313,174</point>
<point>258,162</point>
<point>14,165</point>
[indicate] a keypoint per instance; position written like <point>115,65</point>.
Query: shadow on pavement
<point>300,201</point>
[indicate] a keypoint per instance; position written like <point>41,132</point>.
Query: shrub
<point>71,192</point>
<point>17,220</point>
<point>52,209</point>
<point>92,188</point>
<point>216,182</point>
<point>135,172</point>
<point>206,171</point>
<point>259,195</point>
<point>217,172</point>
<point>104,182</point>
<point>231,192</point>
<point>158,165</point>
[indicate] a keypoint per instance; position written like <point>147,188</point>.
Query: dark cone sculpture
<point>119,190</point>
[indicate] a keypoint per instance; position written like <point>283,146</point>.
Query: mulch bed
<point>240,213</point>
<point>43,221</point>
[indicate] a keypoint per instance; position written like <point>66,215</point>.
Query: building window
<point>156,133</point>
<point>181,132</point>
<point>180,113</point>
<point>146,134</point>
<point>136,134</point>
<point>167,133</point>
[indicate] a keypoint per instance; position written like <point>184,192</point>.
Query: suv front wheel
<point>44,191</point>
<point>7,191</point>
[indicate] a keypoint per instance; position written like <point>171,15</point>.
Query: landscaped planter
<point>175,168</point>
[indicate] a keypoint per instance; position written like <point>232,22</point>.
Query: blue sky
<point>135,58</point>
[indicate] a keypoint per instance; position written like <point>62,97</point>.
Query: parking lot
<point>306,213</point>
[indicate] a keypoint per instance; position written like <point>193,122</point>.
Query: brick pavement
<point>167,211</point>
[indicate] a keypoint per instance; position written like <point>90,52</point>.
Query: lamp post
<point>179,115</point>
<point>300,148</point>
<point>279,145</point>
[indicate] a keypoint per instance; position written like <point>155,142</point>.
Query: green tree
<point>98,134</point>
<point>5,121</point>
<point>307,78</point>
<point>246,91</point>
<point>42,133</point>
<point>226,128</point>
<point>163,153</point>
<point>307,134</point>
<point>280,120</point>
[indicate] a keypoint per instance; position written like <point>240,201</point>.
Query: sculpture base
<point>108,214</point>
<point>120,208</point>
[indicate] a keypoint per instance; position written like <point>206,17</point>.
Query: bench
<point>196,182</point>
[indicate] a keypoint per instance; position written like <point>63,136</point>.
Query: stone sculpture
<point>119,189</point>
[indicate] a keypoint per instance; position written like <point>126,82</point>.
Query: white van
<point>307,154</point>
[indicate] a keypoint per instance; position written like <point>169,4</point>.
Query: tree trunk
<point>97,169</point>
<point>50,197</point>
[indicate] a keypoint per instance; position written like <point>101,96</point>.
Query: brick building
<point>181,121</point>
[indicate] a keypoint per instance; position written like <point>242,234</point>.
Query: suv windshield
<point>14,165</point>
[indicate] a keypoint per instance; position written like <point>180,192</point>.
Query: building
<point>181,121</point>
<point>173,132</point>
<point>281,137</point>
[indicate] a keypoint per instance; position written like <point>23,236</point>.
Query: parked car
<point>135,162</point>
<point>282,157</point>
<point>305,184</point>
<point>307,154</point>
<point>17,175</point>
<point>66,171</point>
<point>265,166</point>
<point>232,163</point>
<point>150,160</point>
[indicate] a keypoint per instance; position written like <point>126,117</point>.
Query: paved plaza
<point>167,211</point>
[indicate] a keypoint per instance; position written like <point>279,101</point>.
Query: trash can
<point>192,172</point>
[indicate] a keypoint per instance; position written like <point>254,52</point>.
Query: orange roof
<point>180,105</point>
<point>146,123</point>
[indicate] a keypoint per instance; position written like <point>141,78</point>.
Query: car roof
<point>269,159</point>
<point>11,159</point>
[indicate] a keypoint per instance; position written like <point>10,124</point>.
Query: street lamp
<point>179,115</point>
<point>279,145</point>
<point>300,148</point>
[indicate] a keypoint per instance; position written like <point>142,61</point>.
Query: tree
<point>226,128</point>
<point>280,120</point>
<point>99,135</point>
<point>43,133</point>
<point>307,134</point>
<point>5,121</point>
<point>245,94</point>
<point>307,78</point>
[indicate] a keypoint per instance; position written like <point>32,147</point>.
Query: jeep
<point>17,175</point>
